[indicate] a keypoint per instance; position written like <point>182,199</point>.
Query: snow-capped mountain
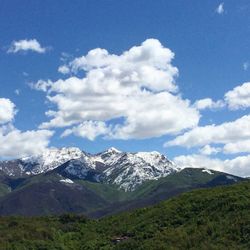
<point>129,170</point>
<point>126,170</point>
<point>50,159</point>
<point>44,162</point>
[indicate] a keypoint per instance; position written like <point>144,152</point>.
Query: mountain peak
<point>50,159</point>
<point>112,150</point>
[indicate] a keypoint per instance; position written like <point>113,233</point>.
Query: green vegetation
<point>4,189</point>
<point>216,218</point>
<point>186,179</point>
<point>109,192</point>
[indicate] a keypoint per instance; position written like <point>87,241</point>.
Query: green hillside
<point>215,218</point>
<point>45,194</point>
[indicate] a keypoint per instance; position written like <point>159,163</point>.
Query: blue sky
<point>210,41</point>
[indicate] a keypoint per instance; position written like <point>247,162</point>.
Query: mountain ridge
<point>71,180</point>
<point>125,169</point>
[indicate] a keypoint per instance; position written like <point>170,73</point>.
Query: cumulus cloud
<point>64,69</point>
<point>135,90</point>
<point>148,65</point>
<point>15,143</point>
<point>220,9</point>
<point>224,133</point>
<point>88,129</point>
<point>208,150</point>
<point>241,146</point>
<point>7,110</point>
<point>199,161</point>
<point>26,45</point>
<point>154,115</point>
<point>238,166</point>
<point>239,97</point>
<point>208,103</point>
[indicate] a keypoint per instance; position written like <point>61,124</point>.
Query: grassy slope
<point>181,180</point>
<point>108,192</point>
<point>215,218</point>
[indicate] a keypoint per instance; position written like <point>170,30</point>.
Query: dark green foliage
<point>71,218</point>
<point>216,218</point>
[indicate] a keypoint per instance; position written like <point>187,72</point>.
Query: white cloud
<point>246,66</point>
<point>208,103</point>
<point>199,161</point>
<point>220,9</point>
<point>17,91</point>
<point>224,133</point>
<point>41,85</point>
<point>26,45</point>
<point>156,114</point>
<point>241,146</point>
<point>7,110</point>
<point>88,129</point>
<point>208,150</point>
<point>239,97</point>
<point>64,69</point>
<point>16,144</point>
<point>135,90</point>
<point>238,166</point>
<point>148,65</point>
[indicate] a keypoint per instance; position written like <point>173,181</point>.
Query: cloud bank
<point>238,166</point>
<point>16,143</point>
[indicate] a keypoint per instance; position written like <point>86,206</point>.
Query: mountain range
<point>71,180</point>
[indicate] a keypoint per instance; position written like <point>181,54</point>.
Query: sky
<point>138,75</point>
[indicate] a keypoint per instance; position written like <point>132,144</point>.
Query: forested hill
<point>216,218</point>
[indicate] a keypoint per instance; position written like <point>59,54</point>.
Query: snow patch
<point>113,150</point>
<point>230,177</point>
<point>205,170</point>
<point>69,181</point>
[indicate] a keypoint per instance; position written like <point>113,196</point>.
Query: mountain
<point>37,164</point>
<point>70,180</point>
<point>126,170</point>
<point>152,192</point>
<point>55,192</point>
<point>215,218</point>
